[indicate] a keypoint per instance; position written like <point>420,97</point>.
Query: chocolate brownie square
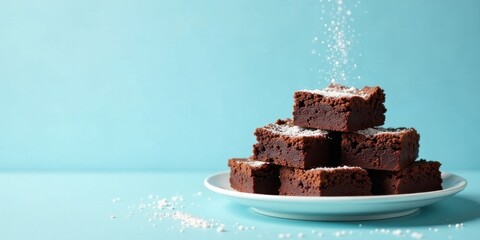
<point>420,176</point>
<point>287,145</point>
<point>338,181</point>
<point>339,108</point>
<point>251,176</point>
<point>390,149</point>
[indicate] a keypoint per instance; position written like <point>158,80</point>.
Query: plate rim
<point>459,185</point>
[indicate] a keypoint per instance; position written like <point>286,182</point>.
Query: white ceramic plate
<point>336,208</point>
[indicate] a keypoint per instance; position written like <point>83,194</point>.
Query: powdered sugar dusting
<point>255,163</point>
<point>250,162</point>
<point>381,130</point>
<point>338,91</point>
<point>294,131</point>
<point>334,168</point>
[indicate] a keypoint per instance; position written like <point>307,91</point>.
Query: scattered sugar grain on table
<point>340,233</point>
<point>284,235</point>
<point>416,235</point>
<point>397,232</point>
<point>221,228</point>
<point>157,209</point>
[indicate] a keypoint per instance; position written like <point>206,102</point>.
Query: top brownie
<point>339,108</point>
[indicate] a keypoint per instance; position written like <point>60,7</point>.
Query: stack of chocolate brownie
<point>335,147</point>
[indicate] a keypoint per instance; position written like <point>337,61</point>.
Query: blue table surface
<point>105,205</point>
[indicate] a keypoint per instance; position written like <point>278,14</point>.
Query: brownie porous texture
<point>339,108</point>
<point>287,145</point>
<point>420,176</point>
<point>389,149</point>
<point>251,176</point>
<point>339,181</point>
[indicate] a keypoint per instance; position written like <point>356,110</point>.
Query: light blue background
<point>171,84</point>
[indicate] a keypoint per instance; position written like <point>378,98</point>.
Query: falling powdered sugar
<point>336,40</point>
